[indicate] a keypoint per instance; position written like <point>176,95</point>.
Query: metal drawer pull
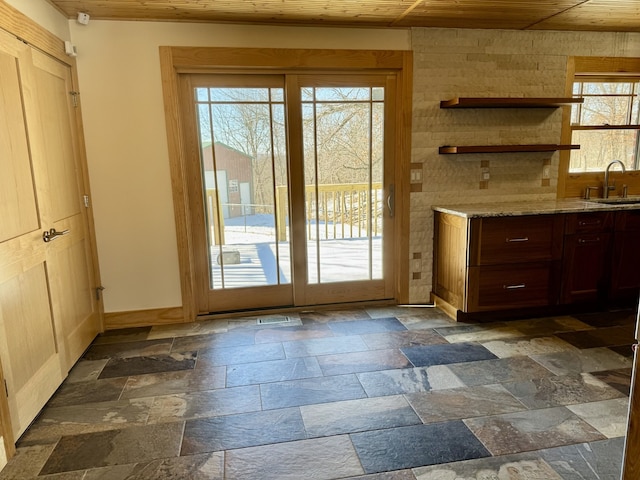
<point>51,235</point>
<point>520,239</point>
<point>585,223</point>
<point>589,240</point>
<point>514,287</point>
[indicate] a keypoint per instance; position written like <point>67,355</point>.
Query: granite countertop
<point>569,205</point>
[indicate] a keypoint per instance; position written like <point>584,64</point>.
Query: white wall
<point>120,89</point>
<point>45,15</point>
<point>487,63</point>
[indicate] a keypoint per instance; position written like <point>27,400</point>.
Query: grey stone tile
<point>620,379</point>
<point>114,447</point>
<point>146,348</point>
<point>425,356</point>
<point>243,430</point>
<point>318,459</point>
<point>124,367</point>
<point>549,326</point>
<point>87,392</point>
<point>236,338</point>
<point>395,475</point>
<point>408,380</point>
<point>415,446</point>
<point>609,417</point>
<point>532,430</point>
<point>511,347</point>
<point>326,316</point>
<point>362,362</point>
<point>309,391</point>
<point>407,338</point>
<point>55,422</point>
<point>186,406</point>
<point>361,327</point>
<point>349,416</point>
<point>86,370</point>
<point>587,461</point>
<point>180,330</point>
<point>459,403</point>
<point>290,334</point>
<point>561,390</point>
<point>123,335</point>
<point>27,462</point>
<point>207,466</point>
<point>579,361</point>
<point>478,333</point>
<point>324,346</point>
<point>273,371</point>
<point>167,383</point>
<point>498,371</point>
<point>523,466</point>
<point>601,337</point>
<point>242,354</point>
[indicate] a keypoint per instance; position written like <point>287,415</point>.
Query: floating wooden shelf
<point>448,150</point>
<point>508,102</point>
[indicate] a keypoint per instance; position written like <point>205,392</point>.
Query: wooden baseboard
<point>144,318</point>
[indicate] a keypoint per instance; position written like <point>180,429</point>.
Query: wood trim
<point>171,94</point>
<point>5,422</point>
<point>18,24</point>
<point>294,59</point>
<point>624,65</point>
<point>404,114</point>
<point>177,60</point>
<point>144,318</point>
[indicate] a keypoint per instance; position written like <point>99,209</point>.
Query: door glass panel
<point>243,161</point>
<point>343,135</point>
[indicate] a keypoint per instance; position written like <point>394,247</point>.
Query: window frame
<point>573,184</point>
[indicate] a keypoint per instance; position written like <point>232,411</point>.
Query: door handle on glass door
<point>390,201</point>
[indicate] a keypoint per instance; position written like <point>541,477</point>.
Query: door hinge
<point>99,292</point>
<point>85,199</point>
<point>74,96</point>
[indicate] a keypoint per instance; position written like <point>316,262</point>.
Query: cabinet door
<point>46,301</point>
<point>585,267</point>
<point>625,275</point>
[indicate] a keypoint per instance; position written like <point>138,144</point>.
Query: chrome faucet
<point>605,187</point>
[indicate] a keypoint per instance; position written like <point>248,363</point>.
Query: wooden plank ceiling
<point>594,15</point>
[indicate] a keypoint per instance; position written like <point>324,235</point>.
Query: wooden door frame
<point>178,60</point>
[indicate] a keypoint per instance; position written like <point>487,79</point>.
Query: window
<point>607,124</point>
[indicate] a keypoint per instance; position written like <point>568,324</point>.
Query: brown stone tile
<point>532,430</point>
<point>115,447</point>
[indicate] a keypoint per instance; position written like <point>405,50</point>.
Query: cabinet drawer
<point>588,222</point>
<point>515,239</point>
<point>511,286</point>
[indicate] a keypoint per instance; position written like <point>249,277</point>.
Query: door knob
<point>51,235</point>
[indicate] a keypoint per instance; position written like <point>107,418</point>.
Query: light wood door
<point>48,314</point>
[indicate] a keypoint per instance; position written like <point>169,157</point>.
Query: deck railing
<point>341,210</point>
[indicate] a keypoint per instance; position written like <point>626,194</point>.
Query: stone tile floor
<point>381,393</point>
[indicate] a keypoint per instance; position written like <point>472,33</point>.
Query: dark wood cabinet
<point>586,258</point>
<point>507,262</point>
<point>625,268</point>
<point>513,264</point>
